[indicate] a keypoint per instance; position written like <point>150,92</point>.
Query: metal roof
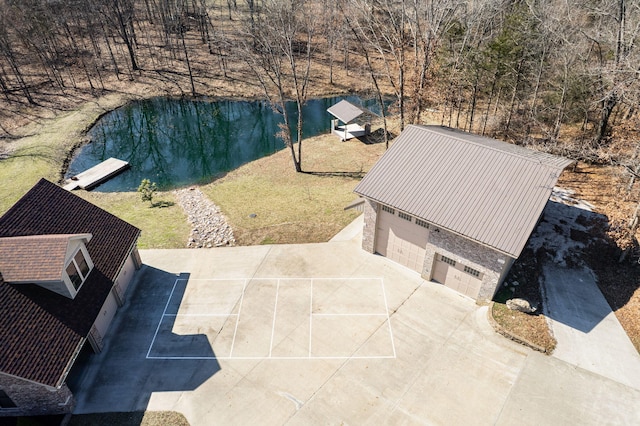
<point>489,191</point>
<point>345,111</point>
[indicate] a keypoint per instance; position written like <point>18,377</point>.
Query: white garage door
<point>459,277</point>
<point>124,278</point>
<point>106,315</point>
<point>399,238</point>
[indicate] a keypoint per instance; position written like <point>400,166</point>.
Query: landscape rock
<point>521,305</point>
<point>209,227</point>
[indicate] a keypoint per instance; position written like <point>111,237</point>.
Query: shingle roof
<point>35,257</point>
<point>40,330</point>
<point>345,111</point>
<point>487,190</point>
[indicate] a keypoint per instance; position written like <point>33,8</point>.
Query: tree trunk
<point>186,56</point>
<point>124,33</point>
<point>608,104</point>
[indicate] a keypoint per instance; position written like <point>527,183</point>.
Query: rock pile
<point>209,227</point>
<point>521,305</point>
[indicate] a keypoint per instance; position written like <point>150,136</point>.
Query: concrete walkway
<point>414,353</point>
<point>588,333</point>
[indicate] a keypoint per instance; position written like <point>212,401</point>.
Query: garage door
<point>103,320</point>
<point>399,238</point>
<point>457,276</point>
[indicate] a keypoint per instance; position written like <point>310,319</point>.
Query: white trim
<point>237,316</point>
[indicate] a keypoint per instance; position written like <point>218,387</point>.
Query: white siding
<point>108,311</point>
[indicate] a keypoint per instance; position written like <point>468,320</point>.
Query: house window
<point>78,270</point>
<point>472,271</point>
<point>5,401</point>
<point>82,263</point>
<point>422,223</point>
<point>404,216</point>
<point>74,275</point>
<point>447,260</point>
<point>388,209</point>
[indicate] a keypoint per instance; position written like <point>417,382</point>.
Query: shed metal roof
<point>489,191</point>
<point>345,111</point>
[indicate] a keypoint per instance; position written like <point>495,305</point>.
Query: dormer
<point>59,263</point>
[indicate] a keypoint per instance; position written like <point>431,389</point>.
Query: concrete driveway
<point>326,334</point>
<point>589,334</point>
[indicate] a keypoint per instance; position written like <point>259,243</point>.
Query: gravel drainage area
<point>209,227</point>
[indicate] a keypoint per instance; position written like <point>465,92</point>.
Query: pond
<point>177,142</point>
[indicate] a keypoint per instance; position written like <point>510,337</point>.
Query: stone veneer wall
<point>33,399</point>
<point>492,264</point>
<point>369,230</point>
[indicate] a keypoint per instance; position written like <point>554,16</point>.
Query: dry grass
<point>43,145</point>
<point>294,207</point>
<point>620,284</point>
<point>290,207</point>
<point>531,328</point>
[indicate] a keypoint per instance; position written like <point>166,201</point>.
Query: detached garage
<point>456,207</point>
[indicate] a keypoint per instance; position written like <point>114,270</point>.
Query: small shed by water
<point>345,112</point>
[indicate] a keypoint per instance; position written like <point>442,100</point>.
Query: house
<point>65,265</point>
<point>456,207</point>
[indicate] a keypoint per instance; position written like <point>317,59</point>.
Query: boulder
<point>521,305</point>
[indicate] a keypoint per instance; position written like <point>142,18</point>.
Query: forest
<point>563,75</point>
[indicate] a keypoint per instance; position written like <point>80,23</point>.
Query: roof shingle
<point>39,329</point>
<point>34,258</point>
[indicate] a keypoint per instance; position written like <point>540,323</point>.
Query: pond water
<point>177,142</point>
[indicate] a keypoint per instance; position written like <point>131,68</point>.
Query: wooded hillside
<point>563,75</point>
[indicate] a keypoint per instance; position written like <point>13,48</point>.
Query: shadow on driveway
<point>123,366</point>
<point>573,296</point>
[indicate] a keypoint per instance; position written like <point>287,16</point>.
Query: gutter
<point>72,361</point>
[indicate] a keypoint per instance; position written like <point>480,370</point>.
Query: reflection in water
<point>176,142</point>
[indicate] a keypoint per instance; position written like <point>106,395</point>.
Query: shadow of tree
<point>375,137</point>
<point>162,203</point>
<point>353,175</point>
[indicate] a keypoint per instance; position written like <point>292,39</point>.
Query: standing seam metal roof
<point>490,191</point>
<point>345,111</point>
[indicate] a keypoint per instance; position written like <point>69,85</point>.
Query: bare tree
<point>358,33</point>
<point>278,49</point>
<point>8,54</point>
<point>428,21</point>
<point>120,14</point>
<point>384,26</point>
<point>613,36</point>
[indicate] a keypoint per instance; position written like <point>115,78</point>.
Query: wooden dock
<point>96,174</point>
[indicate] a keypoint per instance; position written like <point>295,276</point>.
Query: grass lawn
<point>40,148</point>
<point>289,207</point>
<point>163,226</point>
<point>292,207</point>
